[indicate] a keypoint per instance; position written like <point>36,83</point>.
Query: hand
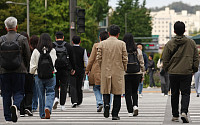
<point>87,73</point>
<point>72,72</point>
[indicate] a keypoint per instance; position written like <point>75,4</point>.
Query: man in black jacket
<point>13,78</point>
<point>63,74</point>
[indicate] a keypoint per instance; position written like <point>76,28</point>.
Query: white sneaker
<point>162,94</point>
<point>135,112</point>
<point>62,108</point>
<point>56,101</point>
<point>130,114</point>
<point>9,122</point>
<point>140,95</point>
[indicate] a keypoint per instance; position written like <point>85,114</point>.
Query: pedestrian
<point>64,66</point>
<point>164,78</point>
<point>197,81</point>
<point>15,57</point>
<point>151,69</point>
<point>42,66</point>
<point>26,104</point>
<point>94,72</point>
<point>180,60</point>
<point>140,87</point>
<point>81,61</point>
<point>33,44</point>
<point>112,59</point>
<point>133,77</point>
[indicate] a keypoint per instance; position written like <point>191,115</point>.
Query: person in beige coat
<point>94,72</point>
<point>112,59</point>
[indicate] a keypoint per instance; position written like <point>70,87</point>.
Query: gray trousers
<point>164,83</point>
<point>197,82</point>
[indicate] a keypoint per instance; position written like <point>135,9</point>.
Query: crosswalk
<point>152,111</point>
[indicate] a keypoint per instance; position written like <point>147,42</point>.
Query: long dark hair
<point>130,43</point>
<point>44,41</point>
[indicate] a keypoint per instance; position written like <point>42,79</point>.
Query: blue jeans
<point>140,87</point>
<point>12,86</point>
<point>35,97</point>
<point>99,96</point>
<point>46,94</point>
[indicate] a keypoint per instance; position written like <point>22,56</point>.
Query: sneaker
<point>162,94</point>
<point>47,114</point>
<point>74,105</point>
<point>197,95</point>
<point>62,108</point>
<point>55,103</point>
<point>99,108</point>
<point>106,111</point>
<point>140,95</point>
<point>184,118</point>
<point>175,119</point>
<point>28,112</point>
<point>166,95</point>
<point>14,112</point>
<point>135,112</point>
<point>9,122</point>
<point>130,114</point>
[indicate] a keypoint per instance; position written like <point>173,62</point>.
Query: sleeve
<point>99,54</point>
<point>26,53</point>
<point>195,60</point>
<point>91,59</point>
<point>145,61</point>
<point>34,62</point>
<point>71,55</point>
<point>85,58</point>
<point>141,60</point>
<point>124,56</point>
<point>166,57</point>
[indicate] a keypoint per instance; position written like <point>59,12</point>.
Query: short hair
<point>114,30</point>
<point>10,22</point>
<point>179,28</point>
<point>104,35</point>
<point>151,55</point>
<point>139,44</point>
<point>76,39</point>
<point>34,41</point>
<point>59,35</point>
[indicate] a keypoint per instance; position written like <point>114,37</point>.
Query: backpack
<point>62,61</point>
<point>45,65</point>
<point>133,65</point>
<point>10,52</point>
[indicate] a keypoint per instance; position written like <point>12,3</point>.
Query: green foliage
<point>138,18</point>
<point>55,17</point>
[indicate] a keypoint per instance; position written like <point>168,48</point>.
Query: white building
<point>161,23</point>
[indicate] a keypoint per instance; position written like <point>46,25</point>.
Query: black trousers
<point>180,83</point>
<point>26,103</point>
<point>116,103</point>
<point>62,78</point>
<point>131,91</point>
<point>73,89</point>
<point>79,84</point>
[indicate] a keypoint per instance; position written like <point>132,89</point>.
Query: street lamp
<point>27,4</point>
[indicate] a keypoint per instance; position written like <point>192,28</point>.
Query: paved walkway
<point>154,109</point>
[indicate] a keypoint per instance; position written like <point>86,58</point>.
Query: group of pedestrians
<point>39,68</point>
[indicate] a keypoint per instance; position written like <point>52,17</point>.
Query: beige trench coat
<point>93,67</point>
<point>112,59</point>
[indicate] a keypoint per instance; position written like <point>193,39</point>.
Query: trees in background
<point>137,17</point>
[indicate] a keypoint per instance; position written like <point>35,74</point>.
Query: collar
<point>76,45</point>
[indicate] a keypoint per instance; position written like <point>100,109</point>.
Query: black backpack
<point>62,61</point>
<point>45,65</point>
<point>10,52</point>
<point>133,65</point>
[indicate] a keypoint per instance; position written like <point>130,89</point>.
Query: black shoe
<point>74,105</point>
<point>106,111</point>
<point>184,118</point>
<point>197,95</point>
<point>100,107</point>
<point>13,110</point>
<point>28,112</point>
<point>116,118</point>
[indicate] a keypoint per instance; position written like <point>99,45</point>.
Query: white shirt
<point>35,58</point>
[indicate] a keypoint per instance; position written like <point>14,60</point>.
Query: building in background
<point>163,23</point>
